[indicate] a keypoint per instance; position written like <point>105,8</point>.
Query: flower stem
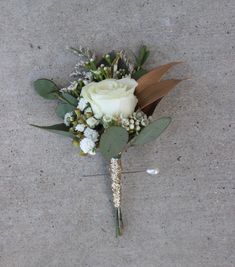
<point>116,174</point>
<point>119,222</point>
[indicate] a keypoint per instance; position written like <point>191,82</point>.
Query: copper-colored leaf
<point>153,76</point>
<point>155,92</point>
<point>150,108</point>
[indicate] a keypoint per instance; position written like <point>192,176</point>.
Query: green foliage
<point>152,131</point>
<point>140,60</point>
<point>137,74</point>
<point>113,141</point>
<point>70,99</point>
<point>63,108</point>
<point>61,129</point>
<point>142,56</point>
<point>46,88</point>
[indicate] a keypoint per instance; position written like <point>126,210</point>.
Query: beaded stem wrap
<point>116,174</point>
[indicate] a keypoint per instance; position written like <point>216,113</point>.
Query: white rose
<point>111,97</point>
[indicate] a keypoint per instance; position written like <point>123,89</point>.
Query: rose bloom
<point>111,97</point>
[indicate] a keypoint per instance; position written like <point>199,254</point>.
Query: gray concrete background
<point>51,215</point>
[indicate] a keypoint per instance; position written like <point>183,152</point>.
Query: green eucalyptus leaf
<point>46,88</point>
<point>152,131</point>
<point>113,141</point>
<point>63,108</point>
<point>57,128</point>
<point>137,74</point>
<point>70,99</point>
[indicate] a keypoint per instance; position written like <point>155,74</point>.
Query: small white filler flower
<point>68,118</point>
<point>88,110</point>
<point>80,127</point>
<point>91,134</point>
<point>87,146</point>
<point>92,122</point>
<point>73,86</point>
<point>82,104</point>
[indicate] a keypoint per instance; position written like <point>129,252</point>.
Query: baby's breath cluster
<point>73,88</point>
<point>83,124</point>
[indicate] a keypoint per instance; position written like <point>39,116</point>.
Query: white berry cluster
<point>133,124</point>
<point>136,122</point>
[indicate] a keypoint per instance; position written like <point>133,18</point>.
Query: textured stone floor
<point>50,213</point>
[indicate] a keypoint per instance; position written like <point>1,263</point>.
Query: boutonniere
<point>107,105</point>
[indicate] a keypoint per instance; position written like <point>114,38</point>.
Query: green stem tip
<point>119,222</point>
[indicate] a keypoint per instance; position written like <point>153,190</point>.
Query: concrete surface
<point>51,215</point>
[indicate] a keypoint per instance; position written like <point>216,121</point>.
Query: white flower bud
<point>143,123</point>
<point>98,116</point>
<point>92,122</point>
<point>82,104</point>
<point>125,122</point>
<point>88,110</point>
<point>139,114</point>
<point>68,118</point>
<point>91,134</point>
<point>107,118</point>
<point>87,145</point>
<point>80,127</point>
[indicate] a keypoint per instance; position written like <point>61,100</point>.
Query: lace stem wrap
<point>115,169</point>
<point>116,175</point>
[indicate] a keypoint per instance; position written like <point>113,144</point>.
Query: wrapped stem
<point>116,175</point>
